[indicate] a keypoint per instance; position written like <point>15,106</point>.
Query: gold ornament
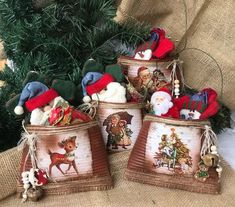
<point>210,160</point>
<point>35,194</point>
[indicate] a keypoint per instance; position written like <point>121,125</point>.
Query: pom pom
<point>19,110</point>
<point>86,99</point>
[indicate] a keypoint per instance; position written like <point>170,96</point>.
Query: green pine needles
<point>55,41</point>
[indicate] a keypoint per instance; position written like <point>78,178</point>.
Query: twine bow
<point>89,108</point>
<point>210,139</point>
<point>30,140</point>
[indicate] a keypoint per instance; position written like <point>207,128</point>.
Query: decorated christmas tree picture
<point>173,153</point>
<point>172,150</point>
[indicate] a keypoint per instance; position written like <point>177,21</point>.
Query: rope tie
<point>210,139</point>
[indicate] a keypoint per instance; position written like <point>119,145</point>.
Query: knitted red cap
<point>100,84</point>
<point>41,100</point>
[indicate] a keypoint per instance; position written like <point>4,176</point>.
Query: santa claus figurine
<point>161,102</point>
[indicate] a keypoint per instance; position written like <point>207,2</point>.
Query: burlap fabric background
<point>126,193</point>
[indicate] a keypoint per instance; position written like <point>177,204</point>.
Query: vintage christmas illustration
<point>65,155</point>
<point>118,130</point>
<point>172,150</point>
<point>150,80</point>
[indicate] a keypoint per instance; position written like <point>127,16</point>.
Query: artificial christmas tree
<point>55,41</point>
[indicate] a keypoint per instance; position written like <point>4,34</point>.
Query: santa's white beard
<point>162,108</point>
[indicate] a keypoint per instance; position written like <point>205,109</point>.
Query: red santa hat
<point>41,100</point>
<point>164,92</point>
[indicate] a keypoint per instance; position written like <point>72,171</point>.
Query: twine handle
<point>89,108</point>
<point>176,64</point>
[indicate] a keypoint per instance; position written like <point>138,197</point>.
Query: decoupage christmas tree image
<point>173,153</point>
<point>172,150</point>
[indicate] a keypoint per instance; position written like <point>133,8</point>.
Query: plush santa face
<point>161,103</point>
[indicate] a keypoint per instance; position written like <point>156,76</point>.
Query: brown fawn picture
<point>69,145</point>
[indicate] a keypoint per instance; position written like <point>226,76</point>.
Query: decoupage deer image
<point>57,159</point>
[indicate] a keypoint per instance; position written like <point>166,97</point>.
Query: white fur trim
<point>19,110</point>
<point>86,99</point>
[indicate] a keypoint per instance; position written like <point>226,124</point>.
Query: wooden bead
<point>26,185</point>
<point>177,90</point>
<point>219,169</point>
<point>177,85</point>
<point>176,81</point>
<point>213,148</point>
<point>24,196</point>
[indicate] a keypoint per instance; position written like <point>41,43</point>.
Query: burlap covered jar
<point>120,124</point>
<point>74,157</point>
<point>167,154</point>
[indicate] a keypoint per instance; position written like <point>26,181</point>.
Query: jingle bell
<point>35,194</point>
<point>210,160</point>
